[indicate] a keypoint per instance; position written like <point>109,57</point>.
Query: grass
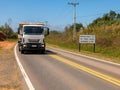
<point>107,42</point>
<point>9,72</point>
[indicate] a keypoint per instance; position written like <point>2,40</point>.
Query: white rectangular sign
<point>87,39</point>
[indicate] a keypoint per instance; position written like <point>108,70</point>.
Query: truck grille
<point>33,40</point>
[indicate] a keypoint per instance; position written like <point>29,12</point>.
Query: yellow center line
<point>88,70</point>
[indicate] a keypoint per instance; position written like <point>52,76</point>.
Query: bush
<point>13,36</point>
<point>104,42</point>
<point>7,32</point>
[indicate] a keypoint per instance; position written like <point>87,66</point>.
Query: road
<point>61,70</point>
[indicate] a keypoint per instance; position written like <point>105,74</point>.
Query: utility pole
<point>74,31</point>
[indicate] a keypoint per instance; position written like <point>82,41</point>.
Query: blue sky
<point>57,13</point>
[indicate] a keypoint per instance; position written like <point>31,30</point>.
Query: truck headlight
<point>42,45</point>
<point>24,45</point>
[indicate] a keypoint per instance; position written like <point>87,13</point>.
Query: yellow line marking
<point>90,71</point>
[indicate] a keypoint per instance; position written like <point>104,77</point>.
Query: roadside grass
<point>107,42</point>
<point>9,72</point>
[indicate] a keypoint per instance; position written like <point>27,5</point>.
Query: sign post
<point>79,46</point>
<point>87,39</point>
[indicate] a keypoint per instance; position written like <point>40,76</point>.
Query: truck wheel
<point>19,49</point>
<point>22,51</point>
<point>43,51</point>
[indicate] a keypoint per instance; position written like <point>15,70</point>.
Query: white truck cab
<point>32,37</point>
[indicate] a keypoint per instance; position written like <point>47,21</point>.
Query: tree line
<point>107,19</point>
<point>7,31</point>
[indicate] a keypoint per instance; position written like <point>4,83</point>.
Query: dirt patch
<point>9,72</point>
<point>7,44</point>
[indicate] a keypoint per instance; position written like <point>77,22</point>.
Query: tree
<point>118,16</point>
<point>79,26</point>
<point>7,30</point>
<point>106,17</point>
<point>112,15</point>
<point>97,20</point>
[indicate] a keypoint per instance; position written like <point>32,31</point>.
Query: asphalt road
<point>60,70</point>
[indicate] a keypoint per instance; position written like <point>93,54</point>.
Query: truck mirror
<point>46,31</point>
<point>19,32</point>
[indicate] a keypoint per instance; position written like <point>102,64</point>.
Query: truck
<point>31,36</point>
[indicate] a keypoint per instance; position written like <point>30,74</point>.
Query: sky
<point>55,13</point>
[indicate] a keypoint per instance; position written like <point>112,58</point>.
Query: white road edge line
<point>28,82</point>
<point>85,56</point>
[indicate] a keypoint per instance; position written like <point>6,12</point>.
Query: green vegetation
<point>108,19</point>
<point>106,29</point>
<point>8,32</point>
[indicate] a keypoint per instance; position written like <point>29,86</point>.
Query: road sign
<point>87,39</point>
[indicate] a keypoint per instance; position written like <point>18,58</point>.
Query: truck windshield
<point>33,30</point>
